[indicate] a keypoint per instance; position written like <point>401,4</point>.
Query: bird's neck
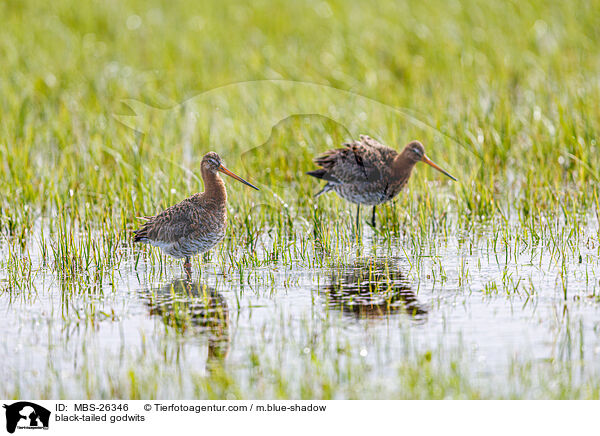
<point>402,166</point>
<point>214,187</point>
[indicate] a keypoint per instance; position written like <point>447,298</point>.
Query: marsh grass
<point>510,93</point>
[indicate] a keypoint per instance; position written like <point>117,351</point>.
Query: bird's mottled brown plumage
<point>196,224</point>
<point>367,172</point>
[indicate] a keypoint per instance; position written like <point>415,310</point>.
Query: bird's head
<point>212,162</point>
<point>415,152</point>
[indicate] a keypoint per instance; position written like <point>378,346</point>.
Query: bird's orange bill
<point>236,177</point>
<point>430,162</point>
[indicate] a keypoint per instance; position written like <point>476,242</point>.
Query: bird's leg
<point>357,219</point>
<point>187,266</point>
<point>373,218</point>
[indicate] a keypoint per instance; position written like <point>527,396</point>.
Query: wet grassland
<point>485,288</point>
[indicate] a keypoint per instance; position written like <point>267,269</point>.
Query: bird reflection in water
<point>194,307</point>
<point>372,288</point>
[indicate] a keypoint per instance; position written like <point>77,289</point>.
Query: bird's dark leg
<point>373,218</point>
<point>187,266</point>
<point>357,218</point>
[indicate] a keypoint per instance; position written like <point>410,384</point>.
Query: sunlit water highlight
<point>378,306</point>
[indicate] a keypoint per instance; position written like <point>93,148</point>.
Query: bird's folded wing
<point>172,224</point>
<point>358,162</point>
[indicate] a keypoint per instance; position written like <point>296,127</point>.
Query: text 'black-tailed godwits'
<point>367,172</point>
<point>196,224</point>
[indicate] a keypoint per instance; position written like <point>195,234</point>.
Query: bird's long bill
<point>430,162</point>
<point>236,177</point>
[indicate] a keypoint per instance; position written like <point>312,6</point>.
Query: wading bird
<point>367,172</point>
<point>196,224</point>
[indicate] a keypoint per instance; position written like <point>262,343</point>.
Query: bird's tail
<point>323,175</point>
<point>319,174</point>
<point>139,237</point>
<point>141,234</point>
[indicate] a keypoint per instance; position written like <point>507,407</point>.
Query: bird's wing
<point>374,144</point>
<point>381,152</point>
<point>360,161</point>
<point>172,224</point>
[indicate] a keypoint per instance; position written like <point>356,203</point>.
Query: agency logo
<point>26,415</point>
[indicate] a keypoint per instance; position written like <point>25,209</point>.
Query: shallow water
<point>380,306</point>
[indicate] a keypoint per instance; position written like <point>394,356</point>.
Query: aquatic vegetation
<point>487,288</point>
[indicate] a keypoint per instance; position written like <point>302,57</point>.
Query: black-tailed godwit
<point>367,172</point>
<point>196,224</point>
